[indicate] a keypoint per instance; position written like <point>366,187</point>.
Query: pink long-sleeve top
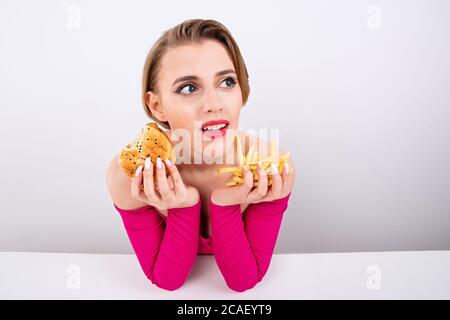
<point>242,243</point>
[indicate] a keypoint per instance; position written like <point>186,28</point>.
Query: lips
<point>212,134</point>
<point>214,122</point>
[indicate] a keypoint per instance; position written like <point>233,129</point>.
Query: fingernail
<point>274,169</point>
<point>147,163</point>
<point>138,171</point>
<point>168,162</point>
<point>245,168</point>
<point>286,167</point>
<point>159,163</point>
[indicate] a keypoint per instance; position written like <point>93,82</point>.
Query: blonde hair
<point>191,31</point>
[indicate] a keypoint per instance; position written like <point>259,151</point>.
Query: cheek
<point>235,104</point>
<point>232,100</point>
<point>181,116</point>
<point>236,98</point>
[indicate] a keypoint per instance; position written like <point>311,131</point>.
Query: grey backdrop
<point>360,90</point>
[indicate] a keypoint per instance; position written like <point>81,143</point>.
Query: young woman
<point>195,80</point>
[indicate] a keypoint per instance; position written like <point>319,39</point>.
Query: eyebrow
<point>192,77</point>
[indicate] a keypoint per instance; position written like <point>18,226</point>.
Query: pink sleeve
<point>166,250</point>
<point>243,245</point>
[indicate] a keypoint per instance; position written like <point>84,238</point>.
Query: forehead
<point>202,59</point>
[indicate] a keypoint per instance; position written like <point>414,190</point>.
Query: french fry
<point>285,156</point>
<point>239,149</point>
<point>255,157</point>
<point>274,156</point>
<point>252,160</point>
<point>249,155</point>
<point>228,170</point>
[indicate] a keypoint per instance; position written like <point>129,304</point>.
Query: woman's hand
<point>243,194</point>
<point>165,192</point>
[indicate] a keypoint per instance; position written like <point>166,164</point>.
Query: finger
<point>136,182</point>
<point>261,190</point>
<point>248,177</point>
<point>285,175</point>
<point>163,187</point>
<point>149,183</point>
<point>177,181</point>
<point>248,183</point>
<point>276,186</point>
<point>170,183</point>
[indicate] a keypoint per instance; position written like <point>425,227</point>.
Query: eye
<point>188,88</point>
<point>231,81</point>
<point>186,92</point>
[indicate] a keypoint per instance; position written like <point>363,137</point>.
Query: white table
<point>363,275</point>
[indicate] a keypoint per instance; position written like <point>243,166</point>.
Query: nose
<point>212,102</point>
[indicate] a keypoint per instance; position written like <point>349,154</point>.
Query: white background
<point>358,88</point>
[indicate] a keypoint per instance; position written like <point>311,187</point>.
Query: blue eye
<point>189,85</point>
<point>181,89</point>
<point>233,81</point>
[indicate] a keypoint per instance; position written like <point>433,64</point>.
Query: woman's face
<point>197,83</point>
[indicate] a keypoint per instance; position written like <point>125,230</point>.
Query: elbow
<point>241,280</point>
<point>169,283</point>
<point>241,286</point>
<point>169,286</point>
<point>244,281</point>
<point>168,277</point>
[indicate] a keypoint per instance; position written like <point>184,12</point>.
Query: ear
<point>153,103</point>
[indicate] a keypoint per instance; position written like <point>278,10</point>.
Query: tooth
<point>215,127</point>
